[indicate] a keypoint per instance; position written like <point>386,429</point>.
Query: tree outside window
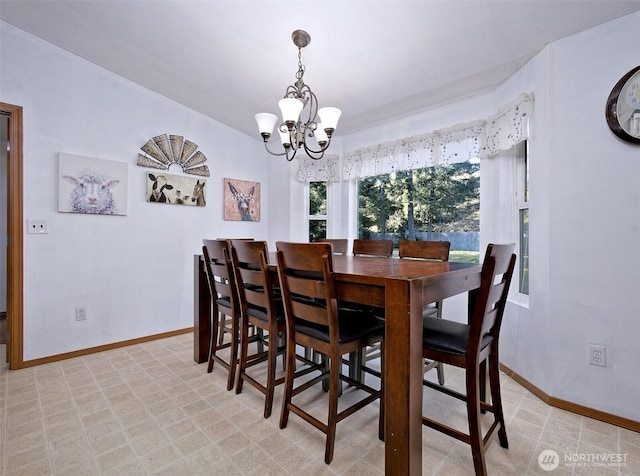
<point>433,203</point>
<point>317,211</point>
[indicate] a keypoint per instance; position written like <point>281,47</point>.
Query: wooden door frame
<point>15,262</point>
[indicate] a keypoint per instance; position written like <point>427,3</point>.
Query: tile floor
<point>149,409</point>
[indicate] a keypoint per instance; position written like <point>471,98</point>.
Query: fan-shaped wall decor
<point>164,150</point>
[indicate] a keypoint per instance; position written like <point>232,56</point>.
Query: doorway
<point>12,118</point>
<point>4,141</point>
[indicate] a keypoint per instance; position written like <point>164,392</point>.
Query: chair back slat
<point>251,277</point>
<point>495,293</point>
<point>310,312</point>
<point>433,250</point>
<point>306,286</point>
<point>339,244</point>
<point>255,297</point>
<point>301,258</point>
<point>373,247</point>
<point>489,321</point>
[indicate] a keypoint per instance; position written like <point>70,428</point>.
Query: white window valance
<point>482,138</point>
<point>324,170</point>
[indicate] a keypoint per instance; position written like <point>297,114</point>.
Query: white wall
<point>584,219</point>
<point>592,226</point>
<point>134,273</point>
<point>584,226</point>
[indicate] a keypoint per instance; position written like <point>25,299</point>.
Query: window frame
<point>521,204</point>
<point>308,214</point>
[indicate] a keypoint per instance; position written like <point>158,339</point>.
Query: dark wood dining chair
<point>474,347</point>
<point>224,302</point>
<point>315,321</point>
<point>339,244</point>
<point>358,359</point>
<point>225,326</point>
<point>432,251</point>
<point>372,247</point>
<point>261,308</point>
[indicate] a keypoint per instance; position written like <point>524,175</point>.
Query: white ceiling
<point>375,60</point>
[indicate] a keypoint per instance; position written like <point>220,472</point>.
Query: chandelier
<point>312,135</point>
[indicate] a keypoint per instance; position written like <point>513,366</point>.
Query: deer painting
<point>243,200</point>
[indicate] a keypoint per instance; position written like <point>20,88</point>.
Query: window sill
<point>518,299</point>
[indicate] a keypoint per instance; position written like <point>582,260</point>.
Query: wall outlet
<point>598,355</point>
<point>81,313</point>
<point>37,227</point>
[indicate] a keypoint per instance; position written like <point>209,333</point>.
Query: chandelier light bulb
<point>329,117</point>
<point>266,121</point>
<point>285,137</point>
<point>321,135</point>
<point>291,109</point>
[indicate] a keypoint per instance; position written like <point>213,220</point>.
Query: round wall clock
<point>623,107</point>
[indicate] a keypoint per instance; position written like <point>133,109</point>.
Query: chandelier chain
<point>301,67</point>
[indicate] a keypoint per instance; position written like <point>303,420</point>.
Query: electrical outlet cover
<point>37,227</point>
<point>598,355</point>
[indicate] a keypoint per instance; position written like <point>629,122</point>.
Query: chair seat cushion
<point>353,325</point>
<point>429,310</point>
<point>224,301</point>
<point>447,336</point>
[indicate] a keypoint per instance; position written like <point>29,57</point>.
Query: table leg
<point>201,312</point>
<point>403,377</point>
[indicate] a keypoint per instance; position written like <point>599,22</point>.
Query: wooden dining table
<point>402,287</point>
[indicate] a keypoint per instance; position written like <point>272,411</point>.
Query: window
<point>433,203</point>
<point>505,211</point>
<point>522,204</point>
<point>524,251</point>
<point>317,210</point>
